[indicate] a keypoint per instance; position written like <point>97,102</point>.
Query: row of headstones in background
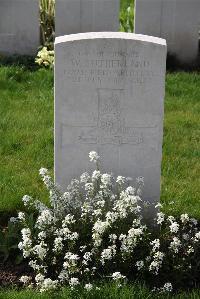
<point>19,27</point>
<point>177,21</point>
<point>19,21</point>
<point>109,93</point>
<point>77,16</point>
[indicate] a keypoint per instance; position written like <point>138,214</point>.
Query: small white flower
<point>175,245</point>
<point>174,227</point>
<point>184,218</point>
<point>84,178</point>
<point>160,218</point>
<point>96,175</point>
<point>197,237</point>
<point>89,187</point>
<point>94,157</point>
<point>88,286</point>
<point>69,219</point>
<point>71,256</point>
<point>157,262</point>
<point>71,262</point>
<point>73,282</point>
<point>171,219</point>
<point>48,284</point>
<point>86,258</point>
<point>58,245</point>
<point>108,254</point>
<point>43,171</point>
<point>13,219</point>
<point>21,216</point>
<point>82,248</point>
<point>120,180</point>
<point>26,200</point>
<point>26,244</point>
<point>100,226</point>
<point>86,270</point>
<point>111,217</point>
<point>63,276</point>
<point>25,279</point>
<point>44,219</point>
<point>113,237</point>
<point>130,190</point>
<point>158,205</point>
<point>39,278</point>
<point>156,244</point>
<point>190,249</point>
<point>42,235</point>
<point>139,265</point>
<point>106,179</point>
<point>40,250</point>
<point>33,264</point>
<point>167,287</point>
<point>117,276</point>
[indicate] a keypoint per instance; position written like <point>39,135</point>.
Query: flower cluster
<point>96,228</point>
<point>78,235</point>
<point>45,58</point>
<point>175,251</point>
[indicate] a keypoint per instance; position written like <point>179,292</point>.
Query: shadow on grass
<point>174,65</point>
<point>27,62</point>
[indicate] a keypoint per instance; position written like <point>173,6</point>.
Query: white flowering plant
<point>95,229</point>
<point>174,254</point>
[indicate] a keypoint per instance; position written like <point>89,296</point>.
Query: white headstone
<point>109,93</point>
<point>76,16</point>
<point>177,21</point>
<point>19,27</point>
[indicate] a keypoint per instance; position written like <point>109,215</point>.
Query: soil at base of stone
<point>11,273</point>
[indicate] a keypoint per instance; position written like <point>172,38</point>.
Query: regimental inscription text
<point>108,66</point>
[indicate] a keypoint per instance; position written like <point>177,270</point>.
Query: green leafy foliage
<point>127,16</point>
<point>9,239</point>
<point>47,22</point>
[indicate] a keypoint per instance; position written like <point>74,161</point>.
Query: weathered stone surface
<point>177,21</point>
<point>76,16</point>
<point>109,92</point>
<point>19,27</point>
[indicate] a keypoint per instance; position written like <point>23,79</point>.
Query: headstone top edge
<point>111,35</point>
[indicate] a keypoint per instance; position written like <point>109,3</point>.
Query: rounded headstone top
<point>110,35</point>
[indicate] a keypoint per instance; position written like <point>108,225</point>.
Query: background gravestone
<point>178,21</point>
<point>109,92</point>
<point>75,16</point>
<point>19,27</point>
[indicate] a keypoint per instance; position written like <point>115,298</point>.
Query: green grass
<point>26,138</point>
<point>107,292</point>
<point>181,147</point>
<point>26,133</point>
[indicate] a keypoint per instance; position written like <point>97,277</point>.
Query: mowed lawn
<point>26,139</point>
